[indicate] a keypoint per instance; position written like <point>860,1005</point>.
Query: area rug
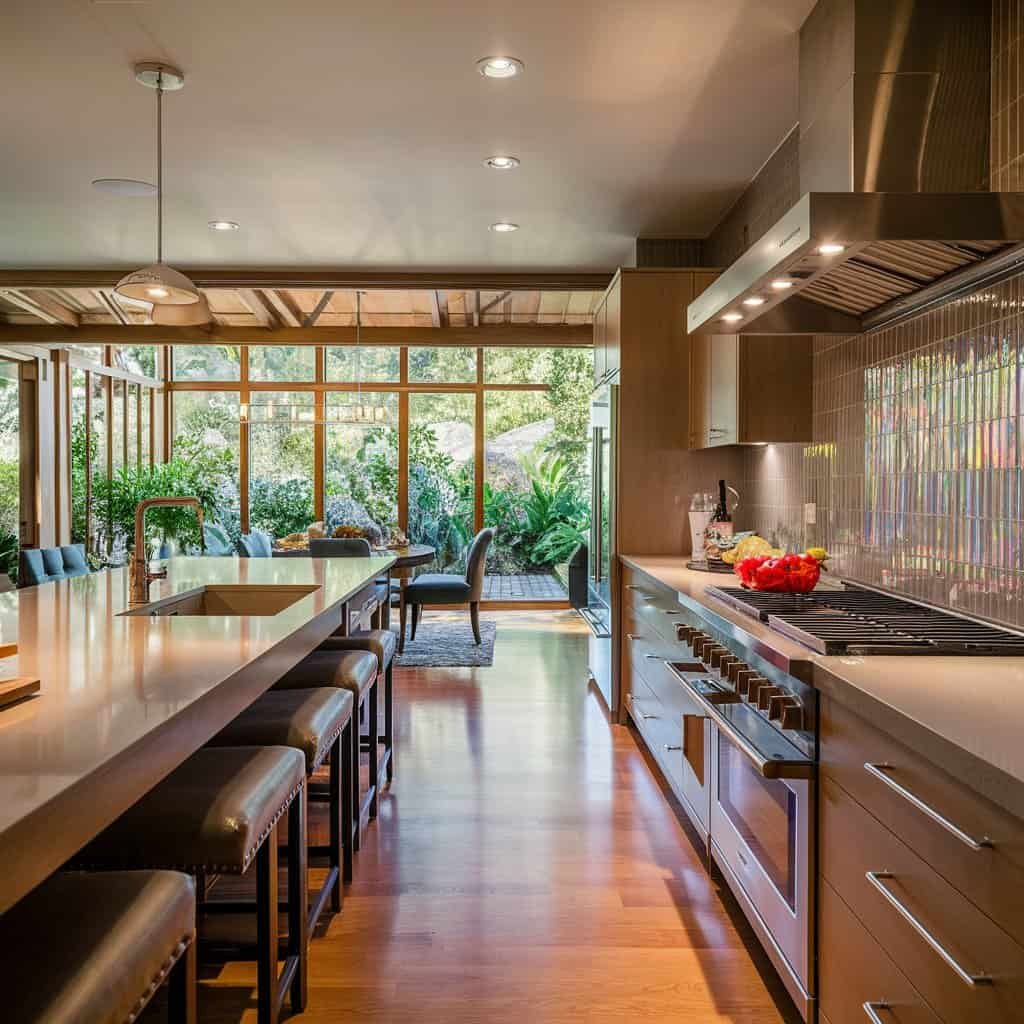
<point>449,645</point>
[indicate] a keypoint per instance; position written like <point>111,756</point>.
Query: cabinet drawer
<point>991,876</point>
<point>873,871</point>
<point>853,970</point>
<point>656,612</point>
<point>663,735</point>
<point>640,632</point>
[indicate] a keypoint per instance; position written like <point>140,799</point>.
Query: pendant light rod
<point>160,167</point>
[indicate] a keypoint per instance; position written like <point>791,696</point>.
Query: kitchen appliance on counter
<point>601,553</point>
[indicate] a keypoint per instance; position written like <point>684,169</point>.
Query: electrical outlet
<point>810,513</point>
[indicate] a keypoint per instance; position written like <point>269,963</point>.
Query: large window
<point>434,442</point>
<point>281,461</point>
<point>10,467</point>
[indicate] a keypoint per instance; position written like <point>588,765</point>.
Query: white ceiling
<point>351,134</point>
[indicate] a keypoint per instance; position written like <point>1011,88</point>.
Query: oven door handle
<point>768,767</point>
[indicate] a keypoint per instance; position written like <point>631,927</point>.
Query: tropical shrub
<point>281,507</point>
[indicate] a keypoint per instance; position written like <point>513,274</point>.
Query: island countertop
<point>124,699</point>
<point>964,713</point>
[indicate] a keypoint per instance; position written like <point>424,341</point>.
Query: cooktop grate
<point>861,621</point>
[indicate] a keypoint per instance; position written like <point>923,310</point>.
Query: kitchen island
<point>125,698</point>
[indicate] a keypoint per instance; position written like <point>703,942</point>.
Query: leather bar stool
<point>89,949</point>
<point>216,814</point>
<point>382,643</point>
<point>318,723</point>
<point>355,671</point>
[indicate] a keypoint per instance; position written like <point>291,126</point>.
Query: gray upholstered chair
<point>339,547</point>
<point>439,588</point>
<point>255,545</point>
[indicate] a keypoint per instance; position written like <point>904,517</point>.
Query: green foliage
<point>280,507</point>
<point>569,382</point>
<point>10,503</point>
<point>9,555</point>
<point>440,498</point>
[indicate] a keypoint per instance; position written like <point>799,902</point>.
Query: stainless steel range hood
<point>897,254</point>
<point>893,172</point>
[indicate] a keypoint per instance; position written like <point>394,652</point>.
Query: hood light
<point>754,300</point>
<point>731,318</point>
<point>782,284</point>
<point>831,248</point>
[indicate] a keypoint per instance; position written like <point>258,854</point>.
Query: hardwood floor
<point>525,867</point>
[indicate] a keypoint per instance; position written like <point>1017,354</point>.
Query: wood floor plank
<point>526,867</point>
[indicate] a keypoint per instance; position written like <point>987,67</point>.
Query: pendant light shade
<point>181,315</point>
<point>158,283</point>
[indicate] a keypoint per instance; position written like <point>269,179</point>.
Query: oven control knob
<point>715,655</point>
<point>734,668</point>
<point>754,685</point>
<point>765,694</point>
<point>702,645</point>
<point>684,633</point>
<point>792,714</point>
<point>743,678</point>
<point>778,703</point>
<point>726,663</point>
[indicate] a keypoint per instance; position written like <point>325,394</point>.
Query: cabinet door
<point>600,342</point>
<point>700,390</point>
<point>613,335</point>
<point>723,403</point>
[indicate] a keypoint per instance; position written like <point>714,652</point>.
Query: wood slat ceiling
<point>295,307</point>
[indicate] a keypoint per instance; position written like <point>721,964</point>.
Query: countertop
<point>965,714</point>
<point>125,699</point>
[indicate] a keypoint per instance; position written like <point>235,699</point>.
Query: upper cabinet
<point>749,389</point>
<point>608,332</point>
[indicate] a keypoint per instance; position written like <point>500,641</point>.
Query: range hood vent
<point>847,262</point>
<point>893,142</point>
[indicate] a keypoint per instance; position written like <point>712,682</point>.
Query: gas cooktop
<point>862,621</point>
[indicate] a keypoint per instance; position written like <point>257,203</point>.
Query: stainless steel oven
<point>762,801</point>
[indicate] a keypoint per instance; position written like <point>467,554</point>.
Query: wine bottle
<point>722,509</point>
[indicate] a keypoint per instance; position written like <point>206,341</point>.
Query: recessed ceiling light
<point>502,163</point>
<point>499,67</point>
<point>503,227</point>
<point>830,248</point>
<point>732,317</point>
<point>754,300</point>
<point>125,187</point>
<point>222,225</point>
<point>782,284</point>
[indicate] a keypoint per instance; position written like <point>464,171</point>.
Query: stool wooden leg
<point>266,931</point>
<point>298,937</point>
<point>343,756</point>
<point>374,697</point>
<point>389,718</point>
<point>356,823</point>
<point>181,988</point>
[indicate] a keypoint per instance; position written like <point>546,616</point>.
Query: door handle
<point>871,1011</point>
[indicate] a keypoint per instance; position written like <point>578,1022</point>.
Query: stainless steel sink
<point>228,599</point>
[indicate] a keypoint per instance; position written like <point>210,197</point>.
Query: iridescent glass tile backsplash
<point>915,473</point>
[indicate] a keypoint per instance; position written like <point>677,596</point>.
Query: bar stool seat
<point>383,643</point>
<point>89,949</point>
<point>355,671</point>
<point>217,813</point>
<point>317,722</point>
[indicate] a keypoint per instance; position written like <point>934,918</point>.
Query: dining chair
<point>445,589</point>
<point>339,547</point>
<point>255,545</point>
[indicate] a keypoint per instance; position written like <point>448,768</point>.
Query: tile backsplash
<point>915,471</point>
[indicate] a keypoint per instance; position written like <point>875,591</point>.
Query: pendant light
<point>361,413</point>
<point>159,283</point>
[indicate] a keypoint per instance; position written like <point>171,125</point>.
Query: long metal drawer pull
<point>876,878</point>
<point>879,772</point>
<point>672,746</point>
<point>768,767</point>
<point>871,1011</point>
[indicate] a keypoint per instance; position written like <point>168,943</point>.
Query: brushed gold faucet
<point>140,575</point>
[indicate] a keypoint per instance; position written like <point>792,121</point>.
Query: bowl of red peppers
<point>786,574</point>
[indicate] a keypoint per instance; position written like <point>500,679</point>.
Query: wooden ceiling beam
<point>312,318</point>
<point>284,307</point>
<point>258,304</point>
<point>495,302</point>
<point>439,308</point>
<point>473,307</point>
<point>112,306</point>
<point>333,278</point>
<point>44,306</point>
<point>573,335</point>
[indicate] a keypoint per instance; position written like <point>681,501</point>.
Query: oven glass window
<point>763,811</point>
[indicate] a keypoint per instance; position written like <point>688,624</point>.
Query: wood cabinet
<point>749,389</point>
<point>608,332</point>
<point>921,876</point>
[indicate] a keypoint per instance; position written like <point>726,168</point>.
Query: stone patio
<point>524,587</point>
